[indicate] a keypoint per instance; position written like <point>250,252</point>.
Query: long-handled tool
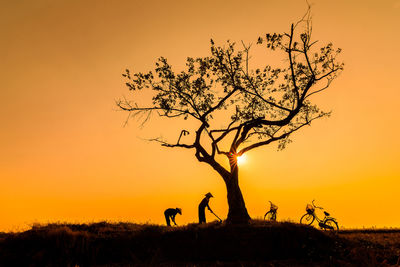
<point>216,216</point>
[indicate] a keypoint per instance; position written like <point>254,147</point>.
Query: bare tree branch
<point>166,144</point>
<point>273,139</point>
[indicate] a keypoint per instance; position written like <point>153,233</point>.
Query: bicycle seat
<point>326,213</point>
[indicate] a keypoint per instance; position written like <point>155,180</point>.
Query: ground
<point>258,243</point>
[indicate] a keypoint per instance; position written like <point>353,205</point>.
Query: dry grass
<point>380,246</point>
<point>256,244</point>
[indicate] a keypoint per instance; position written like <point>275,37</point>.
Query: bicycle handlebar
<point>273,205</point>
<point>316,206</point>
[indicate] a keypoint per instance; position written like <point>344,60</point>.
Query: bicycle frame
<point>273,210</point>
<point>321,222</point>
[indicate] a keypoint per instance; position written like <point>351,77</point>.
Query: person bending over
<point>170,214</point>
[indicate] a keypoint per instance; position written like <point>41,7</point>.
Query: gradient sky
<point>65,154</point>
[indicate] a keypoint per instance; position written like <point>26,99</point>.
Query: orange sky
<point>65,155</point>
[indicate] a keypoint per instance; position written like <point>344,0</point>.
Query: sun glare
<point>241,160</point>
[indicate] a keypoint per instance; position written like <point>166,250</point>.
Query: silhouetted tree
<point>256,107</point>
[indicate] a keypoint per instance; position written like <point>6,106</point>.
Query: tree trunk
<point>237,208</point>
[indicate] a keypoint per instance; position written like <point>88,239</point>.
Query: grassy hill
<point>256,244</point>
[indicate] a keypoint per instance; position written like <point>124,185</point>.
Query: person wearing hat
<point>202,207</point>
<point>171,213</point>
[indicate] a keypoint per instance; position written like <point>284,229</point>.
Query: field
<point>256,244</point>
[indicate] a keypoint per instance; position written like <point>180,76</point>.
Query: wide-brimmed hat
<point>209,195</point>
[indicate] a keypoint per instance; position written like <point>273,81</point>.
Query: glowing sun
<point>241,160</point>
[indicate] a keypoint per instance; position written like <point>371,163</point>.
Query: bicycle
<point>327,223</point>
<point>271,214</point>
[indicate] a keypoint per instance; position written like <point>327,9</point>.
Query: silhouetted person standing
<point>202,208</point>
<point>171,213</point>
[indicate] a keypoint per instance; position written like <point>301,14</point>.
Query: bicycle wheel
<point>270,216</point>
<point>331,225</point>
<point>307,219</point>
